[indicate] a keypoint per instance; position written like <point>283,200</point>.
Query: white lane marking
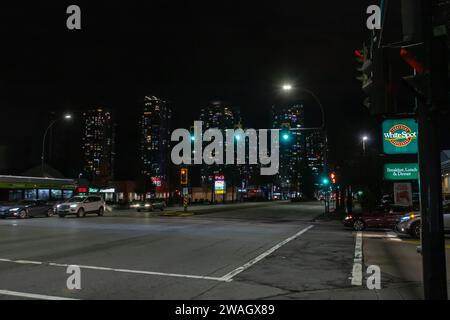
<point>392,236</point>
<point>28,262</point>
<point>32,295</point>
<point>152,273</point>
<point>236,271</point>
<point>357,261</point>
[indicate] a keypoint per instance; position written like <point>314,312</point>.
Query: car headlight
<point>14,209</point>
<point>73,206</point>
<point>408,217</point>
<point>148,205</point>
<point>348,218</point>
<point>58,206</point>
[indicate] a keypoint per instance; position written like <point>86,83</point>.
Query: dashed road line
<point>97,268</point>
<point>226,278</point>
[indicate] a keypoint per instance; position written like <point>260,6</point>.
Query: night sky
<point>187,52</point>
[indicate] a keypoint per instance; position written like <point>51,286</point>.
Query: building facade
<point>314,153</point>
<point>288,182</point>
<point>98,146</point>
<point>221,115</point>
<point>156,121</point>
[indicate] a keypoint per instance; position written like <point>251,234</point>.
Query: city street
<point>209,256</point>
<point>244,251</point>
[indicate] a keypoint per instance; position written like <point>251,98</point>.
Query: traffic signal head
<point>184,176</point>
<point>325,181</point>
<point>285,136</point>
<point>333,178</point>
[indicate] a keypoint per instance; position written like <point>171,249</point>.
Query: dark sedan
<point>26,208</point>
<point>384,217</point>
<point>149,206</point>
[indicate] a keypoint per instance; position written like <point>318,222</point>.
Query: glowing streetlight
<point>287,87</point>
<point>364,141</point>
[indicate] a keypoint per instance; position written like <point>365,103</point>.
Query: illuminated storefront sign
<point>219,187</point>
<point>401,171</point>
<point>400,136</point>
<point>156,181</point>
<point>219,177</point>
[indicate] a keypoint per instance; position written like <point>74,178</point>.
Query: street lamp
<point>364,141</point>
<point>67,117</point>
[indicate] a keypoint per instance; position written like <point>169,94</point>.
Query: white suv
<point>80,206</point>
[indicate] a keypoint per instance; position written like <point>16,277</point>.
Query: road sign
<point>400,136</point>
<point>401,171</point>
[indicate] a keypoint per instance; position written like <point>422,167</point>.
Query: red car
<point>384,217</point>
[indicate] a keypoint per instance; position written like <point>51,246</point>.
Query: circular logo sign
<point>400,135</point>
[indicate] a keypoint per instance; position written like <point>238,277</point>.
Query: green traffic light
<point>326,181</point>
<point>285,137</point>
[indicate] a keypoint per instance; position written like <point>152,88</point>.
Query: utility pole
<point>436,99</point>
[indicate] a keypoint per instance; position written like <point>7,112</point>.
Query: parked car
<point>80,206</point>
<point>150,206</point>
<point>384,217</point>
<point>411,224</point>
<point>27,208</point>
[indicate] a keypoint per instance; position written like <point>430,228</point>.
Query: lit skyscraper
<point>98,146</point>
<point>288,181</point>
<point>155,142</point>
<point>314,149</point>
<point>220,115</point>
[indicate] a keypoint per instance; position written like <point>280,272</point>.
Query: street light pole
<point>364,141</point>
<point>67,117</point>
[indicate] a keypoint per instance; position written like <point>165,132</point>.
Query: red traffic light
<point>184,176</point>
<point>333,177</point>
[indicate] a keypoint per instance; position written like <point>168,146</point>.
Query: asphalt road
<point>250,251</point>
<point>400,263</point>
<point>247,251</point>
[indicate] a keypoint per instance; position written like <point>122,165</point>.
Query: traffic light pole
<point>325,169</point>
<point>433,241</point>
